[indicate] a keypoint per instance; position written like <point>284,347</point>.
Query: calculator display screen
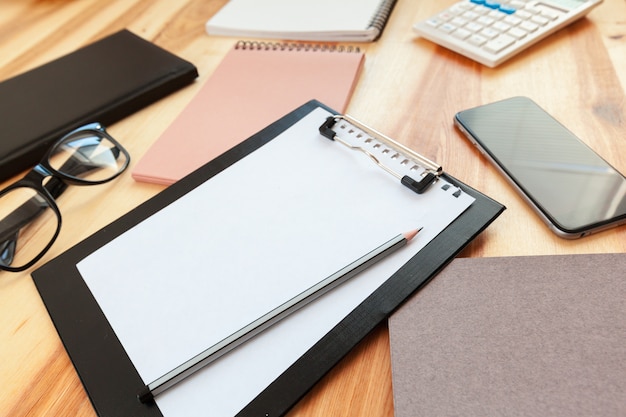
<point>566,4</point>
<point>564,178</point>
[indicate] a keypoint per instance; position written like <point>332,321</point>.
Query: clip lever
<point>326,129</point>
<point>430,173</point>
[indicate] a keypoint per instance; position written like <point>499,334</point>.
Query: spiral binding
<point>382,15</point>
<point>293,46</point>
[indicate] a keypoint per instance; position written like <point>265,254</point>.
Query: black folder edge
<point>104,368</point>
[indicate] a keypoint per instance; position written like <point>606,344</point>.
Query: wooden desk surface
<point>409,89</point>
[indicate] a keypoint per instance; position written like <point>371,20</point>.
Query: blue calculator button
<point>507,9</point>
<point>477,1</point>
<point>492,4</point>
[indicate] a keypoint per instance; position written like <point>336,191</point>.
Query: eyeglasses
<point>30,220</point>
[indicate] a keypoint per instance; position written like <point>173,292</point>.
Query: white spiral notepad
<point>306,20</point>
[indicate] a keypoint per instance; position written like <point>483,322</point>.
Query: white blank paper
<point>271,225</point>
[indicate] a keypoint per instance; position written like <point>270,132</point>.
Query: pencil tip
<point>410,235</point>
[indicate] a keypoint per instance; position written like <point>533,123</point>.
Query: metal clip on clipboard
<point>413,170</point>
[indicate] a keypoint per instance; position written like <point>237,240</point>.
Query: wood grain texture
<point>409,89</point>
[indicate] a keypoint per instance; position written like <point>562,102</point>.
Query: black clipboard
<point>91,343</point>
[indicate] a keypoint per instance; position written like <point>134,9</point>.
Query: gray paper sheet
<point>514,336</point>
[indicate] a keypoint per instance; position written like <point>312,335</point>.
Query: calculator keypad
<point>488,27</point>
<point>492,25</point>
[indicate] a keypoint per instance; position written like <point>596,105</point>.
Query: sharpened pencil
<point>226,345</point>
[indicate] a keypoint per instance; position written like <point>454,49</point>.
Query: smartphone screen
<point>570,186</point>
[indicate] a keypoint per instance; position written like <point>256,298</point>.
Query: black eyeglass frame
<point>58,182</point>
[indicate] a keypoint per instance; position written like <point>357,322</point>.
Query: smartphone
<point>574,190</point>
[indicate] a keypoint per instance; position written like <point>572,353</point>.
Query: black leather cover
<point>101,82</point>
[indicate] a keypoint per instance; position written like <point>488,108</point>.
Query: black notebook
<point>101,82</point>
<point>200,260</point>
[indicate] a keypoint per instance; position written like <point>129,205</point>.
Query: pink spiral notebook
<point>255,84</point>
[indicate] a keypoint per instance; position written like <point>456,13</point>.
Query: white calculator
<point>490,31</point>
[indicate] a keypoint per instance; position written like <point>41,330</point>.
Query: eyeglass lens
<point>27,225</point>
<point>87,156</point>
<point>29,221</point>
